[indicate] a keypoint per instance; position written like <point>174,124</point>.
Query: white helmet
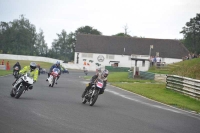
<point>105,73</point>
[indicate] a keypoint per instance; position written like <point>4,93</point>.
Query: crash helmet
<point>105,73</point>
<point>33,66</point>
<point>57,63</point>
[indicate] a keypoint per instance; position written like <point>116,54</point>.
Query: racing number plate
<point>99,84</point>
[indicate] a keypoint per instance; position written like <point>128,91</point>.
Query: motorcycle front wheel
<point>19,92</point>
<point>93,99</point>
<point>12,92</point>
<point>83,97</point>
<point>53,81</point>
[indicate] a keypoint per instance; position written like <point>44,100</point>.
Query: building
<point>92,50</point>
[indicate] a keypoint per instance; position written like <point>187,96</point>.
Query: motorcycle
<point>53,77</point>
<point>91,95</point>
<point>86,72</point>
<point>16,72</point>
<point>24,82</point>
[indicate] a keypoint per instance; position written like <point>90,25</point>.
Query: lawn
<point>4,72</point>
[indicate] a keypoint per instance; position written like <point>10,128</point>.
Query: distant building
<point>125,51</point>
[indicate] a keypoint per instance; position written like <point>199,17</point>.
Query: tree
<point>17,37</point>
<point>62,46</point>
<point>72,37</point>
<point>122,34</point>
<point>191,34</point>
<point>40,46</point>
<point>87,30</point>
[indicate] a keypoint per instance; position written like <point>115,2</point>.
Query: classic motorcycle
<point>92,94</point>
<point>24,82</point>
<point>16,72</point>
<point>53,77</point>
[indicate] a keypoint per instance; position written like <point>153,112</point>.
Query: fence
<point>147,75</point>
<point>187,86</point>
<point>117,69</point>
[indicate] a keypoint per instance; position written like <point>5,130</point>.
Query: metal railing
<point>147,75</point>
<point>187,86</point>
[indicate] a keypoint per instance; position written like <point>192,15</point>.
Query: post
<point>151,47</point>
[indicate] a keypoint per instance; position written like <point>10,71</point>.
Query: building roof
<point>116,45</point>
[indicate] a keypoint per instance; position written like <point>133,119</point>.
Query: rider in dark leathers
<point>102,75</point>
<point>16,65</point>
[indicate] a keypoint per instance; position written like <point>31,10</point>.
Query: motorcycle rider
<point>16,65</point>
<point>57,65</point>
<point>33,72</point>
<point>101,75</point>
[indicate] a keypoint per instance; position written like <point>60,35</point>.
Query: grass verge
<point>4,72</point>
<point>153,90</point>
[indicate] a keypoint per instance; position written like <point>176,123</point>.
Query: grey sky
<point>162,19</point>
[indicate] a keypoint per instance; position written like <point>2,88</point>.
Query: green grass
<point>4,72</point>
<point>187,68</point>
<point>154,90</point>
<point>158,92</point>
<point>23,63</point>
<point>163,70</point>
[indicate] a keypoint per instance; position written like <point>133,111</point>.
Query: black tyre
<point>83,97</point>
<point>19,92</point>
<point>12,93</point>
<point>93,99</point>
<point>53,82</point>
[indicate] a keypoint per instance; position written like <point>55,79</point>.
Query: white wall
<point>37,58</point>
<point>123,59</point>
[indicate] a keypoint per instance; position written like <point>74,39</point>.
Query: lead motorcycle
<point>53,76</point>
<point>24,82</point>
<point>91,95</point>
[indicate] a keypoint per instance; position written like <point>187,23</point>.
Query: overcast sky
<point>161,19</point>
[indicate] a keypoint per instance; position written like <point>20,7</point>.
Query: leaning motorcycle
<point>91,95</point>
<point>23,85</point>
<point>53,77</point>
<point>16,72</point>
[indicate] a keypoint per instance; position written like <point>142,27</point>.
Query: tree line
<point>20,37</point>
<point>191,32</point>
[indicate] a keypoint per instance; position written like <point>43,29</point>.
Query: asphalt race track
<point>59,110</point>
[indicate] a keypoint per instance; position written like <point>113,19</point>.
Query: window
<point>87,55</point>
<point>108,56</point>
<point>157,53</point>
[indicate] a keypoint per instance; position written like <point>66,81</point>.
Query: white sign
<point>2,67</point>
<point>100,58</point>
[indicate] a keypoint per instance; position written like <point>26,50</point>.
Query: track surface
<point>59,110</point>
